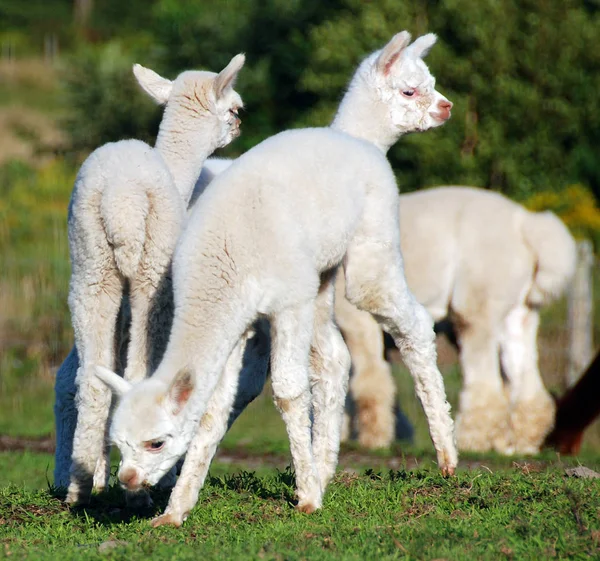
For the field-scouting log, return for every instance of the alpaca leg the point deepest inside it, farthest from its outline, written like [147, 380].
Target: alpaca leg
[141, 298]
[329, 370]
[242, 380]
[371, 385]
[94, 311]
[65, 412]
[291, 338]
[375, 282]
[482, 423]
[532, 409]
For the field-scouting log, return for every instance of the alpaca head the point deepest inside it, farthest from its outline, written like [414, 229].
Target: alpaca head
[404, 82]
[149, 426]
[198, 100]
[393, 93]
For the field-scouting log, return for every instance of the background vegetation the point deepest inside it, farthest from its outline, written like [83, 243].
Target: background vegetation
[524, 78]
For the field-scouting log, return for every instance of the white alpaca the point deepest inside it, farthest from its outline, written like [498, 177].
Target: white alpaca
[125, 215]
[488, 265]
[264, 241]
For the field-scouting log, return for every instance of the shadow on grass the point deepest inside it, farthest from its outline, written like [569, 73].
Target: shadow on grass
[110, 508]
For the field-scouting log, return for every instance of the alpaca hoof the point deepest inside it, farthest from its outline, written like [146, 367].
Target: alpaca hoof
[306, 507]
[167, 519]
[448, 471]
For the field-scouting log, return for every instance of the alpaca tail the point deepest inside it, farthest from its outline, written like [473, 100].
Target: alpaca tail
[555, 256]
[124, 213]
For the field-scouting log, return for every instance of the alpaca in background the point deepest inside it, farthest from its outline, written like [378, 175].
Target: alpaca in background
[125, 215]
[488, 265]
[264, 241]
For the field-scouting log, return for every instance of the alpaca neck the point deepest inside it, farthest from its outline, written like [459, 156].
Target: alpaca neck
[363, 115]
[184, 150]
[204, 347]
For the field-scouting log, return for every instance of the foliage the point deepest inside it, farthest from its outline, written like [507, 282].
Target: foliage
[105, 103]
[34, 324]
[575, 205]
[525, 91]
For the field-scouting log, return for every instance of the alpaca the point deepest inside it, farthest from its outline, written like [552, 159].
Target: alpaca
[575, 411]
[487, 264]
[264, 241]
[126, 211]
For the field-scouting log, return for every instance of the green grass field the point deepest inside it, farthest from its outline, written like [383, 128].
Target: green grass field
[529, 511]
[385, 505]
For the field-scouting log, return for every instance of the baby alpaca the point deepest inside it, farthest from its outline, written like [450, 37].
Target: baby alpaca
[264, 241]
[488, 265]
[125, 215]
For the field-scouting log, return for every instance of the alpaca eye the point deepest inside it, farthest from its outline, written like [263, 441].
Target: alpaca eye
[408, 93]
[155, 445]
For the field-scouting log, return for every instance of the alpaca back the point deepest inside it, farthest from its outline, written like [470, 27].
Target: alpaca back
[133, 187]
[555, 254]
[465, 246]
[298, 195]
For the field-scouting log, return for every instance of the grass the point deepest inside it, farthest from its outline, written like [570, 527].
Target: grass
[495, 508]
[520, 513]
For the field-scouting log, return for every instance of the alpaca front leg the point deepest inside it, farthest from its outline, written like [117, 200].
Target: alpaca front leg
[375, 282]
[291, 338]
[329, 370]
[242, 380]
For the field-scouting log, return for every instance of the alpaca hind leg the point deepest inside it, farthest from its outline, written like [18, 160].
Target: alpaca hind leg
[329, 370]
[291, 338]
[482, 422]
[375, 282]
[532, 409]
[94, 311]
[242, 380]
[372, 387]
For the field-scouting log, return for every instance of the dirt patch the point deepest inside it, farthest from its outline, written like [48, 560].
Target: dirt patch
[17, 444]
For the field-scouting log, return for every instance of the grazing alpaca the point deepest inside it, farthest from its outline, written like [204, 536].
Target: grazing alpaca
[576, 410]
[264, 241]
[488, 265]
[126, 211]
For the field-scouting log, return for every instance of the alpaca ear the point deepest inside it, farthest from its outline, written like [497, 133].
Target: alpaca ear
[226, 78]
[116, 383]
[392, 51]
[180, 390]
[157, 87]
[421, 47]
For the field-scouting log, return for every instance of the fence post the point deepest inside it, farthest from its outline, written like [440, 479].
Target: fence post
[581, 307]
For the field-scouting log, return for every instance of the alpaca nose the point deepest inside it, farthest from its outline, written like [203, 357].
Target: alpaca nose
[444, 107]
[128, 477]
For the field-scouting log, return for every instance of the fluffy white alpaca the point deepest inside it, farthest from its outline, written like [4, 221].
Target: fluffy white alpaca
[125, 215]
[488, 265]
[264, 241]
